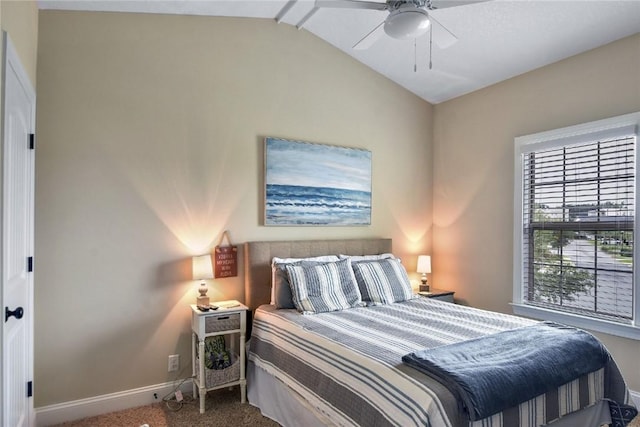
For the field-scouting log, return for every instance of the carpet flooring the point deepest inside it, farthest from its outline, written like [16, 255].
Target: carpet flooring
[222, 409]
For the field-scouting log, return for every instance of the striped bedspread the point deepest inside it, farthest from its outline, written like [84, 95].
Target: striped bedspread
[348, 365]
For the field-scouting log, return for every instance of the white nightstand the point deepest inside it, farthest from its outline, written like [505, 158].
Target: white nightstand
[230, 319]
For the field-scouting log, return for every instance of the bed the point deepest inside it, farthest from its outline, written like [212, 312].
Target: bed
[346, 368]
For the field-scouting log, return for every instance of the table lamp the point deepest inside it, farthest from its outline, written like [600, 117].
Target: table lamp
[202, 270]
[424, 267]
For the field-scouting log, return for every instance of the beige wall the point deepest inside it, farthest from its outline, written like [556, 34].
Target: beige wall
[19, 19]
[150, 131]
[473, 168]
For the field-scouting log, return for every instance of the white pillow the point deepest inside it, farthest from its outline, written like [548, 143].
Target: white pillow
[323, 287]
[280, 290]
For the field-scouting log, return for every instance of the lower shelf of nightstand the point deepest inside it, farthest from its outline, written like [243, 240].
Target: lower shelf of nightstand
[239, 382]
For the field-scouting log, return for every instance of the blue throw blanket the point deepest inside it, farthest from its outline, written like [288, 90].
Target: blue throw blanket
[495, 372]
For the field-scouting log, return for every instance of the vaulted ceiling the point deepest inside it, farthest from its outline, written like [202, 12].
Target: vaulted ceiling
[494, 40]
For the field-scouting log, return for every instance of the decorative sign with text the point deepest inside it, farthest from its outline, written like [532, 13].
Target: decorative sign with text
[225, 259]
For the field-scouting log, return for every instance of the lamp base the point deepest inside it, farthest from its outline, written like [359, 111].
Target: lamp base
[424, 288]
[202, 301]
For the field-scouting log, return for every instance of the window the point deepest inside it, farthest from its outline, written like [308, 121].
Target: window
[575, 226]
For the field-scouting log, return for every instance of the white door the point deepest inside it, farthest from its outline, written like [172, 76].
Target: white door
[17, 242]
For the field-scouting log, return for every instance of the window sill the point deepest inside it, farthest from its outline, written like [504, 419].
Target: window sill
[611, 328]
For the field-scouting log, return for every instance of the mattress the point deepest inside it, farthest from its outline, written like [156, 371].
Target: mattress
[347, 365]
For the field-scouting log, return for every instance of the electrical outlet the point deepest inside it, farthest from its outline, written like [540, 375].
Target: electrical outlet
[174, 362]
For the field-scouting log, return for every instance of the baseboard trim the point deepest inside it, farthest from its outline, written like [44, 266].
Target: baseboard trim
[92, 406]
[635, 396]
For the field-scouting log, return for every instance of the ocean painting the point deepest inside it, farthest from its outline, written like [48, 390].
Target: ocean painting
[316, 184]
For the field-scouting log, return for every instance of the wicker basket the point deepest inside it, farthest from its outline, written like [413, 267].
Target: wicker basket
[222, 323]
[218, 377]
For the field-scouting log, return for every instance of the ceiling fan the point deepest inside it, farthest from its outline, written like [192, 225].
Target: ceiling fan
[407, 19]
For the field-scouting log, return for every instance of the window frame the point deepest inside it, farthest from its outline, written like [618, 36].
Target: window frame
[599, 129]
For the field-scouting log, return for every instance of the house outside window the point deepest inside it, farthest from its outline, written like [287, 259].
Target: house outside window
[575, 226]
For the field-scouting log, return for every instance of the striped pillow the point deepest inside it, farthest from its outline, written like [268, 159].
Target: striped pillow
[355, 258]
[382, 281]
[280, 289]
[324, 287]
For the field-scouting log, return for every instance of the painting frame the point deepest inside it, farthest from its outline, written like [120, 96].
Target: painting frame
[313, 184]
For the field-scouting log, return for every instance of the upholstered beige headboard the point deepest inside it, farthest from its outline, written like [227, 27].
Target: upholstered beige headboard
[258, 256]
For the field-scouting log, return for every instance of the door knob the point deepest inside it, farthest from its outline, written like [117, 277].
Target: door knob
[18, 313]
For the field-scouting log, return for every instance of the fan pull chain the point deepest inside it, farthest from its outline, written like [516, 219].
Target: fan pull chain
[415, 56]
[430, 44]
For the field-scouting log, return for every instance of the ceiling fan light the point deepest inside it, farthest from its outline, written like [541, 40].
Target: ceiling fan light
[407, 23]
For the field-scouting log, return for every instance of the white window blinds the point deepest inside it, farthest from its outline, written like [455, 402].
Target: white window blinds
[578, 198]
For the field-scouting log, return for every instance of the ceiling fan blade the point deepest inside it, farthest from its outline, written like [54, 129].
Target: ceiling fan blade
[351, 4]
[306, 17]
[441, 35]
[443, 4]
[372, 36]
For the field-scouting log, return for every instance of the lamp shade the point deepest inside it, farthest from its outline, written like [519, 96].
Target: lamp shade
[202, 267]
[424, 264]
